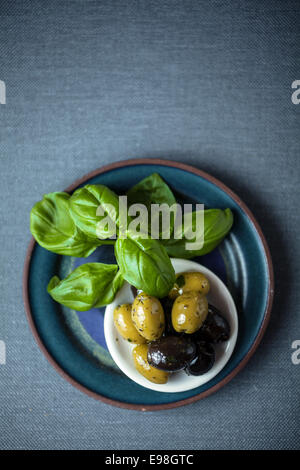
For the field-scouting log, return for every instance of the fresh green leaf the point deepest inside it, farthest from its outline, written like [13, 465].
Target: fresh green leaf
[90, 285]
[85, 204]
[217, 224]
[54, 229]
[153, 190]
[144, 263]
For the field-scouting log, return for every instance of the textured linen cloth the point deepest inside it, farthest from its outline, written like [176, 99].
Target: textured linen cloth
[205, 83]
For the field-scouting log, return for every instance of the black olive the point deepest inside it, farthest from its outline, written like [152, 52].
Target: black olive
[167, 305]
[171, 353]
[215, 329]
[204, 361]
[134, 291]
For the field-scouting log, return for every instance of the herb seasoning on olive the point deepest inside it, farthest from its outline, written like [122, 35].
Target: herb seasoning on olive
[148, 316]
[191, 281]
[189, 312]
[125, 326]
[143, 367]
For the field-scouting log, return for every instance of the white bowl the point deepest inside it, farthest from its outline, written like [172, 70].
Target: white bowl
[121, 350]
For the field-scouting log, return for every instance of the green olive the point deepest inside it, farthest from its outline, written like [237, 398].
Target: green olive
[143, 367]
[187, 282]
[125, 326]
[189, 312]
[148, 316]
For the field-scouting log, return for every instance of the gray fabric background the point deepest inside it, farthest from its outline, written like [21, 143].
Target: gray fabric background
[202, 82]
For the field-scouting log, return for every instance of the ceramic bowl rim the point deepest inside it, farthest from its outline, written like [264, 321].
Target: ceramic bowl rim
[115, 347]
[267, 312]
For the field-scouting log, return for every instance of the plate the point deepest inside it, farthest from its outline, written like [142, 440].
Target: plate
[74, 342]
[121, 350]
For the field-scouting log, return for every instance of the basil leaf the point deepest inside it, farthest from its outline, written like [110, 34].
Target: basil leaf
[217, 223]
[84, 204]
[90, 285]
[144, 263]
[54, 229]
[152, 190]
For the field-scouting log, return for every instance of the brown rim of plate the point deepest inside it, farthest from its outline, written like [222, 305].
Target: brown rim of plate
[264, 324]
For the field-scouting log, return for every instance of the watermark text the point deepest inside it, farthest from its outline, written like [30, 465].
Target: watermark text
[296, 94]
[159, 221]
[2, 92]
[2, 353]
[296, 354]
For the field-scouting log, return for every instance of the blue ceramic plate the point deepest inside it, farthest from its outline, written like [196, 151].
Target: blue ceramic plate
[74, 341]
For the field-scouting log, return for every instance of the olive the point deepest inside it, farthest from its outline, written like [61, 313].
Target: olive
[187, 282]
[125, 326]
[148, 316]
[143, 367]
[215, 329]
[205, 359]
[171, 353]
[167, 304]
[134, 291]
[189, 312]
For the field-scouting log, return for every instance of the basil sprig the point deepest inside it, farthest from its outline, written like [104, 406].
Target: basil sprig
[153, 190]
[69, 225]
[85, 204]
[53, 227]
[217, 223]
[90, 285]
[145, 264]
